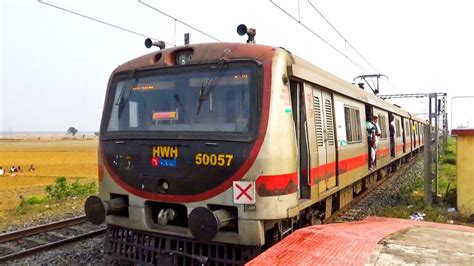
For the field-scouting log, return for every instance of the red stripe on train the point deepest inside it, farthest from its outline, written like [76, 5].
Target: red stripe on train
[383, 152]
[399, 147]
[323, 172]
[353, 163]
[274, 185]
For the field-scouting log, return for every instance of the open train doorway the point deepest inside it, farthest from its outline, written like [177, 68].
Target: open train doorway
[371, 129]
[301, 127]
[391, 130]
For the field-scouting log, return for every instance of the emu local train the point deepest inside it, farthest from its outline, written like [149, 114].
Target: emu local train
[211, 152]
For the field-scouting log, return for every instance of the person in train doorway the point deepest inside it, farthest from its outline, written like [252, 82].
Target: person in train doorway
[378, 132]
[391, 129]
[371, 137]
[375, 121]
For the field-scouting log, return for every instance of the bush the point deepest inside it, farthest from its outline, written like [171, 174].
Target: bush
[31, 201]
[449, 160]
[62, 190]
[83, 190]
[449, 151]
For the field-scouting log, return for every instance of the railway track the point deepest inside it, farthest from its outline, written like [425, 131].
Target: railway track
[22, 243]
[366, 202]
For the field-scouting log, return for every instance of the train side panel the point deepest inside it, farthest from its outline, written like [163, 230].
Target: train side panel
[352, 150]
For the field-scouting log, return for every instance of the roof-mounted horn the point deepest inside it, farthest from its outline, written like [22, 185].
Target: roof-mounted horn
[149, 43]
[242, 30]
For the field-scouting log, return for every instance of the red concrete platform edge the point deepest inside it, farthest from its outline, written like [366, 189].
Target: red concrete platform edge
[462, 132]
[349, 243]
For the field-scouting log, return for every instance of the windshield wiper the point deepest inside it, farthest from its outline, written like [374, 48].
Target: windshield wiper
[209, 86]
[124, 96]
[176, 98]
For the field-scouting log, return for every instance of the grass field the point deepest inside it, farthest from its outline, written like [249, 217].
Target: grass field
[73, 159]
[412, 196]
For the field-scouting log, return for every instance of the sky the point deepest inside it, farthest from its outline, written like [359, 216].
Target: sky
[55, 65]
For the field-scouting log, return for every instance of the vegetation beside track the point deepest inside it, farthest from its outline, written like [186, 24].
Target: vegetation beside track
[410, 200]
[60, 191]
[38, 196]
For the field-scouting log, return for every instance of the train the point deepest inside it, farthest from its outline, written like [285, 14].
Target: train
[210, 153]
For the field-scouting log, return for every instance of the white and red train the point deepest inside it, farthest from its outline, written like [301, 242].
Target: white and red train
[211, 152]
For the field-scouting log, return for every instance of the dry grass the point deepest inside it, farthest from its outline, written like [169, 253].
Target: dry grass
[51, 158]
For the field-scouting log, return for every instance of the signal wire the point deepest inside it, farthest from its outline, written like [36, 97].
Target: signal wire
[101, 21]
[321, 38]
[180, 21]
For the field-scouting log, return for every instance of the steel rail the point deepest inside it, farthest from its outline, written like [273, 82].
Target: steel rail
[41, 228]
[51, 245]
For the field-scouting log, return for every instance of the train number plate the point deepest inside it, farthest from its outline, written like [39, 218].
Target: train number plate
[213, 159]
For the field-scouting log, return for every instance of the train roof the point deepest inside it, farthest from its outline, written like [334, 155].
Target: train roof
[202, 53]
[416, 118]
[212, 52]
[310, 72]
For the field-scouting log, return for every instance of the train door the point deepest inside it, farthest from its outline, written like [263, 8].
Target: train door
[301, 127]
[404, 135]
[325, 140]
[421, 133]
[418, 128]
[415, 134]
[399, 145]
[407, 135]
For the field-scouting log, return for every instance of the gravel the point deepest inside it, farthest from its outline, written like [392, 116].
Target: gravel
[387, 194]
[40, 220]
[90, 252]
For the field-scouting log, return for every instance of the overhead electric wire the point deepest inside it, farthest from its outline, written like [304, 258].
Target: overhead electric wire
[321, 38]
[180, 21]
[348, 43]
[391, 87]
[103, 22]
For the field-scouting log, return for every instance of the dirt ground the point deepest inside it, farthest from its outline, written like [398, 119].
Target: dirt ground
[51, 158]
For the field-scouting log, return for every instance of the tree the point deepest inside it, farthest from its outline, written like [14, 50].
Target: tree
[72, 130]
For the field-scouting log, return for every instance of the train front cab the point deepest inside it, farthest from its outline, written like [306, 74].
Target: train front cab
[271, 176]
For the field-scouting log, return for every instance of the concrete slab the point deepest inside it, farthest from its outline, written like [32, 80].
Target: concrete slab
[423, 245]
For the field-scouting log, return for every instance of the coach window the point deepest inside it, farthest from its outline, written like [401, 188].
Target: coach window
[353, 129]
[382, 124]
[397, 128]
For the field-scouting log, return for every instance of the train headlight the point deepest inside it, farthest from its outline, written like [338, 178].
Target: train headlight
[184, 58]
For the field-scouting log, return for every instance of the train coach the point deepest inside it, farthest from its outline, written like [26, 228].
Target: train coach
[209, 153]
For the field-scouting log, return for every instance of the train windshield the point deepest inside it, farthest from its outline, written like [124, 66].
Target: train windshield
[211, 98]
